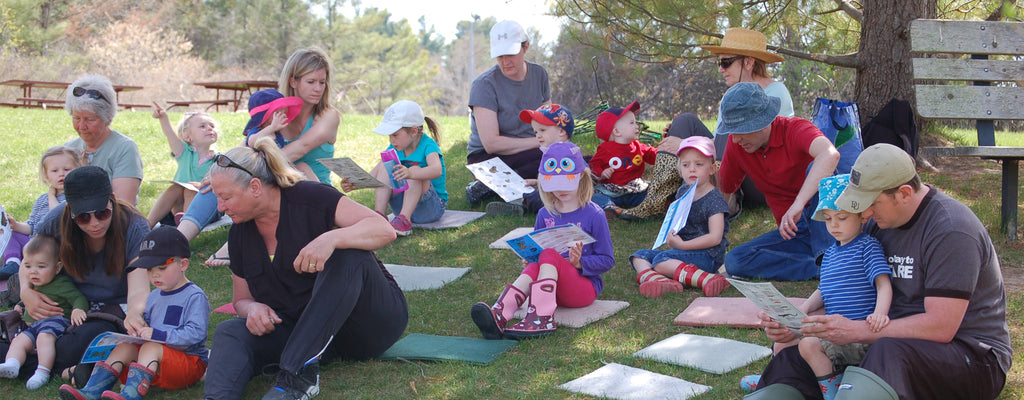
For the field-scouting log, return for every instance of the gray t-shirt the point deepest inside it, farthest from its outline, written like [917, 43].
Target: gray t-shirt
[97, 286]
[494, 91]
[945, 251]
[118, 155]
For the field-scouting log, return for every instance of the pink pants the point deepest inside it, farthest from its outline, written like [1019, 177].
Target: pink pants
[574, 290]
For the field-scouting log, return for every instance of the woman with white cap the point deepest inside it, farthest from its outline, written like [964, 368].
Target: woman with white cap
[743, 56]
[495, 99]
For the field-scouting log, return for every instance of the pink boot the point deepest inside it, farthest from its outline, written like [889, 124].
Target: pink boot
[539, 319]
[492, 320]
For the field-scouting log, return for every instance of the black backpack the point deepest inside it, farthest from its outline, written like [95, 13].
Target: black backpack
[894, 125]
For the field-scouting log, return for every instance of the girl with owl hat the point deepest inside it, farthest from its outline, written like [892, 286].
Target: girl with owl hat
[572, 279]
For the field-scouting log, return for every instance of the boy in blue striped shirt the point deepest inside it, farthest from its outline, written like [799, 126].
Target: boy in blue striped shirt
[854, 283]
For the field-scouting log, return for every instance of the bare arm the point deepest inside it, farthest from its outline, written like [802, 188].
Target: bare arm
[938, 323]
[490, 134]
[324, 130]
[826, 157]
[716, 230]
[358, 228]
[138, 290]
[276, 123]
[259, 318]
[127, 189]
[165, 123]
[431, 171]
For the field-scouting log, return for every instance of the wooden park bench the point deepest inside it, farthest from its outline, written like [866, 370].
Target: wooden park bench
[975, 88]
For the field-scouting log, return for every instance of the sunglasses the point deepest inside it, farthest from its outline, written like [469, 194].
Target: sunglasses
[93, 93]
[726, 62]
[101, 215]
[224, 161]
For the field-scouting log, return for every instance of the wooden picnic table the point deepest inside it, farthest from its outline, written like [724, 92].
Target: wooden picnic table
[236, 90]
[27, 100]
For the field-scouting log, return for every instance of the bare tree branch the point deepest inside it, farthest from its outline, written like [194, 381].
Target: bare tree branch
[851, 10]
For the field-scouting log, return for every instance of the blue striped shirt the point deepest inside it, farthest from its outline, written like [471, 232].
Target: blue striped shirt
[848, 277]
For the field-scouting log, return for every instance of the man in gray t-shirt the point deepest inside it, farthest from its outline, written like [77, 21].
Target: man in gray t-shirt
[948, 337]
[495, 100]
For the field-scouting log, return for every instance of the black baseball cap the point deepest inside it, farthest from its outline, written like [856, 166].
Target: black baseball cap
[159, 245]
[87, 189]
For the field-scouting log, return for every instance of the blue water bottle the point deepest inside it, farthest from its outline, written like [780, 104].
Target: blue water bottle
[390, 159]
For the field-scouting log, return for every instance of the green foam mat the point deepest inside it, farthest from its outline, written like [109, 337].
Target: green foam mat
[417, 346]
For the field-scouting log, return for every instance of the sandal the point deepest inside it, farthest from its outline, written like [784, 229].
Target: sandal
[220, 258]
[77, 375]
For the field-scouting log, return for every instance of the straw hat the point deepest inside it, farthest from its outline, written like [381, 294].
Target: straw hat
[745, 42]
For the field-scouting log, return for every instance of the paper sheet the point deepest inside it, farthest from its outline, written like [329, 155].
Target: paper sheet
[769, 299]
[675, 217]
[500, 178]
[351, 172]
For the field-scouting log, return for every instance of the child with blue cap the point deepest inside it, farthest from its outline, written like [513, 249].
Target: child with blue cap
[855, 283]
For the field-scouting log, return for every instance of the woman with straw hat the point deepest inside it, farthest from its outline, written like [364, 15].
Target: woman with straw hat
[743, 56]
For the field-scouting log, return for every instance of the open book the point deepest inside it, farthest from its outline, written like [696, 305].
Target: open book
[351, 172]
[500, 178]
[769, 299]
[561, 238]
[675, 217]
[104, 344]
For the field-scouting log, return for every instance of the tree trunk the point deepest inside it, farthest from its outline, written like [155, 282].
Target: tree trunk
[885, 70]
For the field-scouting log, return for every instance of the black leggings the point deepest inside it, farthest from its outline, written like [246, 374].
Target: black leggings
[353, 302]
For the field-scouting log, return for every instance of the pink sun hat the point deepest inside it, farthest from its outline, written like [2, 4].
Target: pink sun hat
[293, 106]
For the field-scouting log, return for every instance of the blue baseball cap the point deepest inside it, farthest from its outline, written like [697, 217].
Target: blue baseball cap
[551, 115]
[746, 108]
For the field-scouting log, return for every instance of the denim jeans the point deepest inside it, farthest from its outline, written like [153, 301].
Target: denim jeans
[699, 258]
[625, 201]
[430, 208]
[769, 256]
[202, 210]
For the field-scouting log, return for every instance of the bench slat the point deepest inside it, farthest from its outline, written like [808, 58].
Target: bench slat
[975, 151]
[970, 102]
[968, 70]
[969, 37]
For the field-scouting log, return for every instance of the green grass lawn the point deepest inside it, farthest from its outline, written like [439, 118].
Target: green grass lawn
[531, 370]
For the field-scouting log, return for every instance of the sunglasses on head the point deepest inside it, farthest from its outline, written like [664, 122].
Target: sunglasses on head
[101, 215]
[726, 62]
[224, 161]
[93, 93]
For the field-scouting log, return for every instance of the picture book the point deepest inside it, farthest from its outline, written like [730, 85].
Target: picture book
[104, 344]
[675, 217]
[561, 238]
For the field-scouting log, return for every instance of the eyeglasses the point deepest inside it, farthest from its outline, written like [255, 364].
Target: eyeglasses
[93, 93]
[101, 215]
[727, 62]
[224, 161]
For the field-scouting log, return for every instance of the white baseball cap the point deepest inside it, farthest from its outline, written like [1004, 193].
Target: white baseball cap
[507, 38]
[403, 114]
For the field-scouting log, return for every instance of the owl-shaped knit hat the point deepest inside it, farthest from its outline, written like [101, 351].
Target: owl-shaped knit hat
[561, 167]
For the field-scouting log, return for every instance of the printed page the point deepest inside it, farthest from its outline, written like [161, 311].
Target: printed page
[352, 172]
[769, 299]
[185, 185]
[500, 178]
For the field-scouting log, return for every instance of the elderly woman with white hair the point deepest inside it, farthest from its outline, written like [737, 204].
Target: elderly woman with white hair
[92, 103]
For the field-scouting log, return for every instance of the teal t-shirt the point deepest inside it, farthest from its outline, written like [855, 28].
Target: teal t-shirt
[419, 158]
[326, 150]
[189, 168]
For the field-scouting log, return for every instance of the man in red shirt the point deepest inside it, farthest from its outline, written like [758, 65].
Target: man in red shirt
[785, 157]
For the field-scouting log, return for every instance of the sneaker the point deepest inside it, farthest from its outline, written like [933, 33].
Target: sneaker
[477, 192]
[402, 225]
[303, 386]
[749, 383]
[497, 208]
